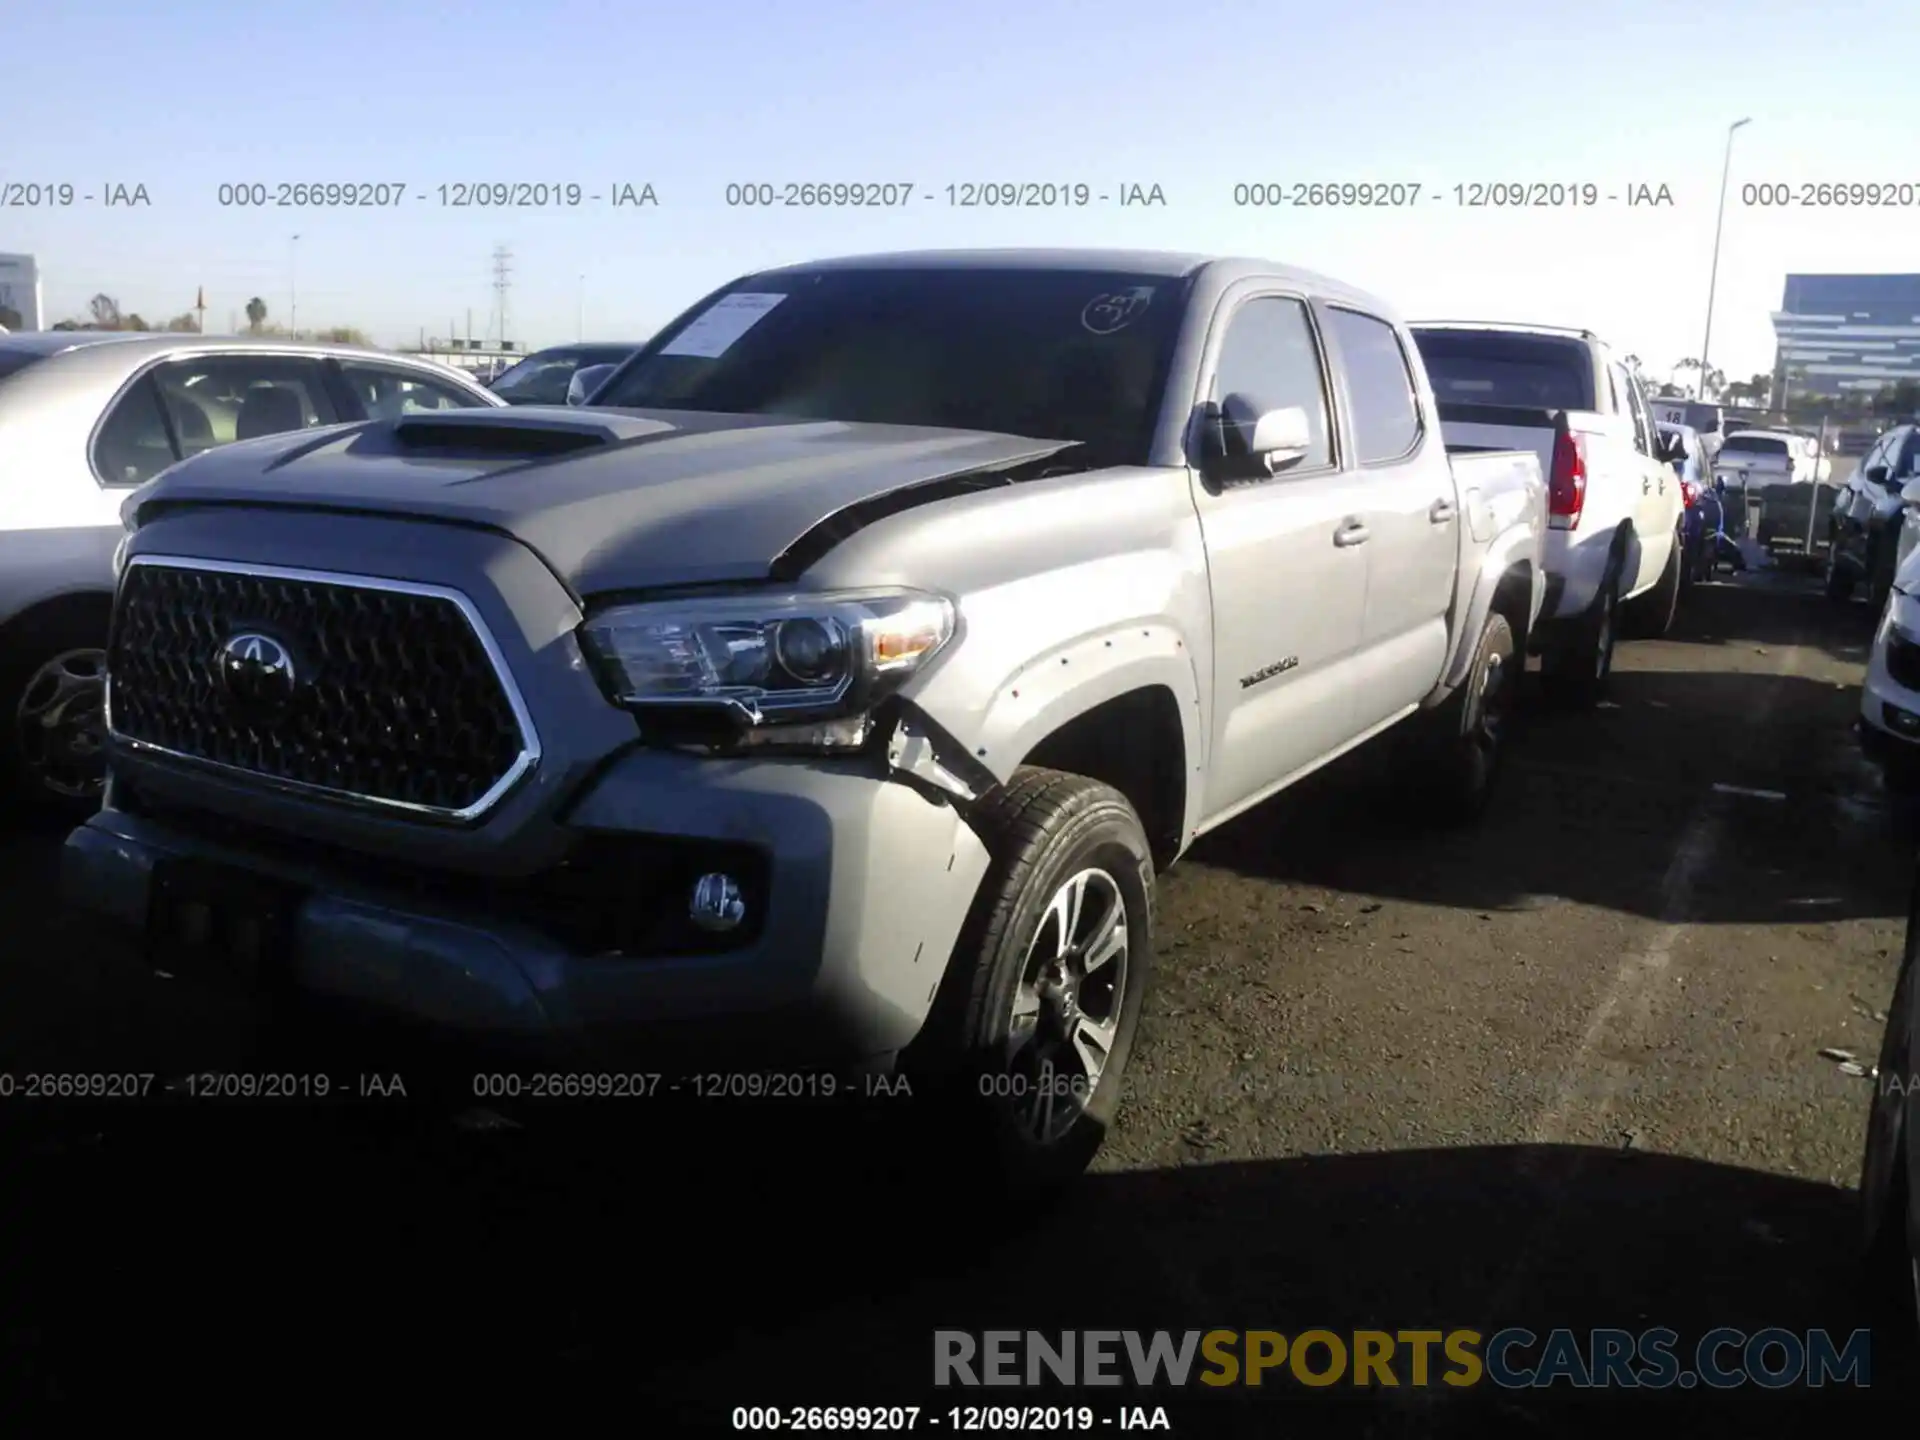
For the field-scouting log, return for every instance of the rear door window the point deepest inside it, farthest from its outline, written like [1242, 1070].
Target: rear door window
[1386, 413]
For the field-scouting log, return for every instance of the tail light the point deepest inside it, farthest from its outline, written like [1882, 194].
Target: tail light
[1567, 486]
[1688, 494]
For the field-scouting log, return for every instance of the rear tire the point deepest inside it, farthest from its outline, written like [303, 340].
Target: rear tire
[1575, 675]
[1651, 616]
[1028, 1001]
[1461, 761]
[1840, 582]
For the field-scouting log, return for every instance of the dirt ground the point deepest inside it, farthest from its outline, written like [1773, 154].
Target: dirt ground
[1561, 1071]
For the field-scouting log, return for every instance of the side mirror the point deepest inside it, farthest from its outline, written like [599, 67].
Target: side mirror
[1876, 474]
[586, 380]
[1719, 484]
[1240, 443]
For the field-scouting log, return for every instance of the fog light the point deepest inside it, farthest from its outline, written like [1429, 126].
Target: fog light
[1901, 722]
[717, 903]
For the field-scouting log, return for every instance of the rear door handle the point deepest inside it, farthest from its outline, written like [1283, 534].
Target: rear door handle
[1645, 485]
[1442, 511]
[1352, 532]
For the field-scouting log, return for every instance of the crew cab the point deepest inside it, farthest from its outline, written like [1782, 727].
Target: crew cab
[829, 692]
[1615, 543]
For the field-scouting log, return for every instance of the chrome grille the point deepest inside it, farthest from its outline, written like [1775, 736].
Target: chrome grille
[396, 695]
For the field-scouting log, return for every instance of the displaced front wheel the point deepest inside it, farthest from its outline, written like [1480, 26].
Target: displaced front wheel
[1462, 759]
[1840, 582]
[1030, 1032]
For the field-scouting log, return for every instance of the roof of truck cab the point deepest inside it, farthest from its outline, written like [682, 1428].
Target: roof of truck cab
[1173, 264]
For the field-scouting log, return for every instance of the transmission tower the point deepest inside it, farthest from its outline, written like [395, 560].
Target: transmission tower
[502, 282]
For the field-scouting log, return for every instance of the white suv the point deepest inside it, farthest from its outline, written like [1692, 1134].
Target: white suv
[1615, 547]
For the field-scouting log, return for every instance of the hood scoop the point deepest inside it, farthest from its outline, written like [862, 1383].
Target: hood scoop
[532, 433]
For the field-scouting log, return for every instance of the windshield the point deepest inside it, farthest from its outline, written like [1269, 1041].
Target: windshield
[1482, 367]
[542, 379]
[1051, 354]
[1753, 445]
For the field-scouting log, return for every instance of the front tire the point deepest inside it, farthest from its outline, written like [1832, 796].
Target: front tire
[1889, 1255]
[52, 720]
[1028, 1040]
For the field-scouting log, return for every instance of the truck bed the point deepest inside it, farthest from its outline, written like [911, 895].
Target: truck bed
[1789, 519]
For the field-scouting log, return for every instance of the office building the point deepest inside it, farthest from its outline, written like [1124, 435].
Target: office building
[1841, 333]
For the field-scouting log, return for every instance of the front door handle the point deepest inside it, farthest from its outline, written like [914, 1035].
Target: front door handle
[1352, 532]
[1645, 485]
[1442, 511]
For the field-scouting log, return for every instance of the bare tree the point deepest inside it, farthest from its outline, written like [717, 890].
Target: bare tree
[256, 314]
[103, 311]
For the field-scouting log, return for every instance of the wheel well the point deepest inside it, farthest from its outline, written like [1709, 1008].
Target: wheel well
[1513, 598]
[81, 607]
[1135, 743]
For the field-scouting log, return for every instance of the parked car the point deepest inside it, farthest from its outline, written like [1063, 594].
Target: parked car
[85, 417]
[1752, 458]
[1890, 1166]
[544, 376]
[1615, 548]
[836, 689]
[1869, 515]
[1890, 695]
[1705, 528]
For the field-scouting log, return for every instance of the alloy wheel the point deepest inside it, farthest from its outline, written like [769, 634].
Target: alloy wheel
[60, 724]
[1067, 1003]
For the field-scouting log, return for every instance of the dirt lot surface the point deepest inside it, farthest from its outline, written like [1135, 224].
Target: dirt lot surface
[1562, 1071]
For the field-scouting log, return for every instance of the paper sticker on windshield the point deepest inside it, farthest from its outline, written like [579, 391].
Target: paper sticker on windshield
[1107, 313]
[713, 334]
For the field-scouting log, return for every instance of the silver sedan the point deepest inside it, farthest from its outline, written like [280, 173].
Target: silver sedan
[85, 418]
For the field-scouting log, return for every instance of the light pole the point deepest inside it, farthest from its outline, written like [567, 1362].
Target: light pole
[1713, 275]
[580, 312]
[293, 286]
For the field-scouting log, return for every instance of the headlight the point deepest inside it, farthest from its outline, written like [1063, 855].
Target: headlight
[1903, 616]
[785, 669]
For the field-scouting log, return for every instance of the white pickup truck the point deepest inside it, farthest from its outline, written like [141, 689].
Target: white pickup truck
[1615, 509]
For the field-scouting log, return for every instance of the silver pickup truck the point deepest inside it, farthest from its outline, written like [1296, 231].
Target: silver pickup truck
[829, 693]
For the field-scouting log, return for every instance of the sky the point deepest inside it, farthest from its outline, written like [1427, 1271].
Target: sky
[1195, 99]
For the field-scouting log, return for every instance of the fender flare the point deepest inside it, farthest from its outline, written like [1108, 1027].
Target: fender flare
[1072, 679]
[1515, 548]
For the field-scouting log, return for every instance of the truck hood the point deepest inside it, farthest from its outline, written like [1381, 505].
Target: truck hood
[610, 499]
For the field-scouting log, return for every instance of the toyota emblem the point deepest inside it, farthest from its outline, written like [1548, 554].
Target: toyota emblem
[257, 672]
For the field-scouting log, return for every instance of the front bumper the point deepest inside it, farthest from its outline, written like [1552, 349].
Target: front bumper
[867, 885]
[1889, 702]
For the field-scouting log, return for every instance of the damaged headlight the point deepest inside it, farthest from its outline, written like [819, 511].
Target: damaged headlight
[781, 669]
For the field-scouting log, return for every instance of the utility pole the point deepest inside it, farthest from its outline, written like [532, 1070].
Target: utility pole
[293, 287]
[200, 310]
[502, 282]
[580, 312]
[1713, 275]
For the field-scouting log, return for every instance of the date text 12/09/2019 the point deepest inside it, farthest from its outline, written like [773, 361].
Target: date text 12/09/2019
[1470, 195]
[458, 195]
[965, 1419]
[963, 195]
